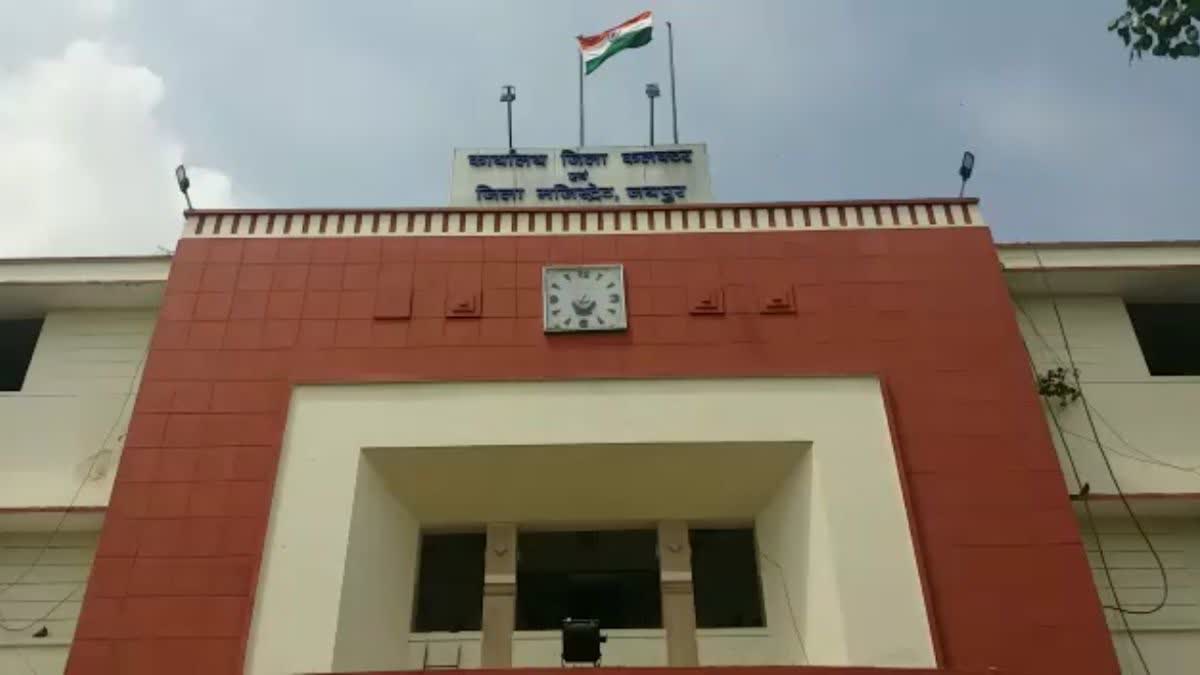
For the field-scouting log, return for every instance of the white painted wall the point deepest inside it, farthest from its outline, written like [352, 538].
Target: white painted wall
[379, 578]
[64, 430]
[1169, 638]
[42, 579]
[1148, 424]
[867, 537]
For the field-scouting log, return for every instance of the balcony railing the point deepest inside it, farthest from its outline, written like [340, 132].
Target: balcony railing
[667, 219]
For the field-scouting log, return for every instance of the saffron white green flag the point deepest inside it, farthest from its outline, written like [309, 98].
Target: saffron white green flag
[633, 33]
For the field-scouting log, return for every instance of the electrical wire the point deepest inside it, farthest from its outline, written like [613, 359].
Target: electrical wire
[791, 611]
[1149, 458]
[87, 478]
[1091, 525]
[1101, 447]
[1122, 612]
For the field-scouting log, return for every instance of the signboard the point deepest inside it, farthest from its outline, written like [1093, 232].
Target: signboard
[598, 176]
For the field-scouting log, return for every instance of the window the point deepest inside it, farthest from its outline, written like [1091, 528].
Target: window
[1169, 334]
[725, 579]
[611, 576]
[17, 340]
[450, 583]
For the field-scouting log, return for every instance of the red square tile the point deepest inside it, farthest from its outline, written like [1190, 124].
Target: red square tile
[669, 301]
[167, 500]
[500, 248]
[219, 277]
[170, 335]
[321, 305]
[254, 278]
[176, 464]
[130, 500]
[389, 333]
[358, 277]
[138, 465]
[280, 333]
[364, 250]
[398, 275]
[329, 250]
[393, 302]
[428, 303]
[243, 536]
[178, 307]
[289, 277]
[187, 430]
[533, 249]
[213, 306]
[528, 275]
[146, 430]
[259, 251]
[243, 334]
[120, 535]
[497, 331]
[191, 396]
[353, 333]
[529, 303]
[102, 618]
[184, 278]
[254, 462]
[499, 275]
[206, 335]
[325, 277]
[315, 333]
[225, 251]
[208, 499]
[294, 250]
[249, 498]
[356, 305]
[398, 249]
[249, 305]
[285, 305]
[500, 303]
[427, 275]
[250, 396]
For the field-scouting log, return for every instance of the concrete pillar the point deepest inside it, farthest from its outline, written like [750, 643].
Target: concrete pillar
[499, 595]
[678, 603]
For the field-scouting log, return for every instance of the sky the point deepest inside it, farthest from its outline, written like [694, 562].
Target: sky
[309, 103]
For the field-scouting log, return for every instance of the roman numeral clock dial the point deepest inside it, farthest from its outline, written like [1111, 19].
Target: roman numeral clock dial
[583, 298]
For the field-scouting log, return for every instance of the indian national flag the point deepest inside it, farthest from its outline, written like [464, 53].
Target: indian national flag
[633, 33]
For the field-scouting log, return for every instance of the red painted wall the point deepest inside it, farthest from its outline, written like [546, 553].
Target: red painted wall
[927, 310]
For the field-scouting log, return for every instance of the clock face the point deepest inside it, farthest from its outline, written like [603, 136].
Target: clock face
[583, 298]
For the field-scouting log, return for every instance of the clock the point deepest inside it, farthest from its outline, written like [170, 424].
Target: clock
[583, 298]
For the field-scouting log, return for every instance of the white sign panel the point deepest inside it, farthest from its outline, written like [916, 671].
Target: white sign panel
[599, 176]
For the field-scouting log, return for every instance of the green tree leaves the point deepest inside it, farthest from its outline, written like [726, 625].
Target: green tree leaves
[1160, 27]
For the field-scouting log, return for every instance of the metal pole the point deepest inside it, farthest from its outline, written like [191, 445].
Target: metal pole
[188, 200]
[962, 189]
[651, 120]
[581, 98]
[674, 109]
[510, 143]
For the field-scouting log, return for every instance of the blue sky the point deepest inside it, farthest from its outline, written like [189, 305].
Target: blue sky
[359, 104]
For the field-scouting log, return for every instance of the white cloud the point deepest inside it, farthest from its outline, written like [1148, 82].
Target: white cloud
[85, 167]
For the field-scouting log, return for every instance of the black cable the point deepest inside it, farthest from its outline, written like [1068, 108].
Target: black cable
[1088, 516]
[1112, 475]
[1087, 410]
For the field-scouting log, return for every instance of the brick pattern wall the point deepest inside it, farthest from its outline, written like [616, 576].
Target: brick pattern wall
[1004, 571]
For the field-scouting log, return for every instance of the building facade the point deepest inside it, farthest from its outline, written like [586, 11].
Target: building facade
[818, 443]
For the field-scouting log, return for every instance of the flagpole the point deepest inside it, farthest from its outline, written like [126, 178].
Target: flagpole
[671, 57]
[580, 96]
